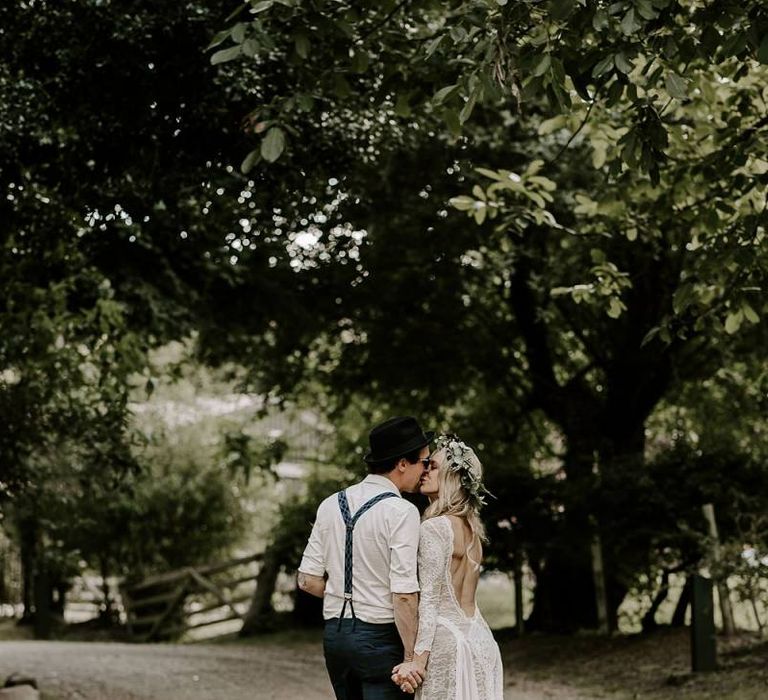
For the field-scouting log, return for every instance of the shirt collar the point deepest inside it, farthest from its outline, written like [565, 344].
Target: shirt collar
[383, 481]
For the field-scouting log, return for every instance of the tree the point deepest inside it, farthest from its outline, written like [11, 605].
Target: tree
[589, 294]
[111, 229]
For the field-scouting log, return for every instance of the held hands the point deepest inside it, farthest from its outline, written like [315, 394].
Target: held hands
[409, 675]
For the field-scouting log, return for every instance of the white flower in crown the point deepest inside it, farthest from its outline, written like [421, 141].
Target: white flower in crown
[457, 459]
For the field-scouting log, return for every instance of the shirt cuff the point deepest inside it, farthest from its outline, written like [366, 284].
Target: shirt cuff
[404, 585]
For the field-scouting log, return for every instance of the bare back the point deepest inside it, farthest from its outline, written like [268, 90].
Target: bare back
[465, 564]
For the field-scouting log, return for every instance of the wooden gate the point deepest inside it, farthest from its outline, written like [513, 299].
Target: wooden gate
[169, 604]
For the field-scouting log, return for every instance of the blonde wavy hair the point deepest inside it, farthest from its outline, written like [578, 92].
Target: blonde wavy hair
[453, 498]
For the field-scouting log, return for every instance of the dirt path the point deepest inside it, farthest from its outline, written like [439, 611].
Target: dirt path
[111, 671]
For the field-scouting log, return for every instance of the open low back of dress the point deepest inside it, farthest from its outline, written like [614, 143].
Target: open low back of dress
[465, 564]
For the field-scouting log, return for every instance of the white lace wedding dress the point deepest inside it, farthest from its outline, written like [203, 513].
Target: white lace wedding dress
[464, 660]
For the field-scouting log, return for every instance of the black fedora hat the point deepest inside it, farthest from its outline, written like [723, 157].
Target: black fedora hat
[395, 437]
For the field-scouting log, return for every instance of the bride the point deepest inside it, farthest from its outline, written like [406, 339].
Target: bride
[455, 654]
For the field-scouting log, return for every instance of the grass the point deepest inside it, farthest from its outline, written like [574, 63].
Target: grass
[653, 666]
[10, 631]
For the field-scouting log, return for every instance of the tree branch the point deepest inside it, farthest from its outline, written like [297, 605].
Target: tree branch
[380, 24]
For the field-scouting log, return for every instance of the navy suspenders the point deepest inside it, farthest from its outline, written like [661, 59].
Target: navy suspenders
[350, 521]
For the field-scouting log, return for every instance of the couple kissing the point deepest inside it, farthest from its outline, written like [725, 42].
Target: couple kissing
[399, 589]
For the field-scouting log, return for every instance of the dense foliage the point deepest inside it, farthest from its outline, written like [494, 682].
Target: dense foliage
[540, 224]
[612, 159]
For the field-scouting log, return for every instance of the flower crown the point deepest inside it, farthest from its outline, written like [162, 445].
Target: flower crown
[457, 459]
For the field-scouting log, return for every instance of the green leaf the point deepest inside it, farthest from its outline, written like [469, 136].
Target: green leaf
[451, 117]
[682, 298]
[585, 205]
[432, 46]
[489, 173]
[649, 336]
[250, 161]
[306, 102]
[360, 61]
[762, 52]
[600, 20]
[345, 28]
[676, 86]
[250, 47]
[402, 108]
[615, 307]
[225, 55]
[560, 9]
[553, 124]
[733, 321]
[462, 203]
[536, 198]
[238, 32]
[630, 25]
[749, 313]
[301, 42]
[469, 105]
[443, 94]
[261, 6]
[218, 39]
[603, 66]
[542, 66]
[341, 86]
[599, 154]
[544, 182]
[646, 9]
[622, 63]
[273, 144]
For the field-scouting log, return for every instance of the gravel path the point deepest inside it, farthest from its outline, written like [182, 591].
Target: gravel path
[112, 671]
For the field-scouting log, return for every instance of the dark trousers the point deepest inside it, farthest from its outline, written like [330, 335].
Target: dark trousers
[360, 660]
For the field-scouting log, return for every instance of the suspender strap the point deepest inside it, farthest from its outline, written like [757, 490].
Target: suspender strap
[350, 521]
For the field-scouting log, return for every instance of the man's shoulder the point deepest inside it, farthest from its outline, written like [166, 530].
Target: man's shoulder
[402, 506]
[329, 502]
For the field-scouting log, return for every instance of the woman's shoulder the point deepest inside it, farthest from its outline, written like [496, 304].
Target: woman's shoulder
[439, 524]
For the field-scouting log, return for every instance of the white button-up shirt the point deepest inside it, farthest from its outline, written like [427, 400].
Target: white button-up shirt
[385, 546]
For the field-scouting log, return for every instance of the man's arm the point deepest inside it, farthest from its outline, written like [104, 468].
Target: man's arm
[311, 576]
[403, 582]
[407, 620]
[314, 585]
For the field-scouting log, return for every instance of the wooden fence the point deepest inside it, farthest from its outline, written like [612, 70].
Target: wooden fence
[167, 605]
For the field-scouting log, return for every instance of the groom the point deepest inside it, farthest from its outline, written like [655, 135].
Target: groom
[361, 559]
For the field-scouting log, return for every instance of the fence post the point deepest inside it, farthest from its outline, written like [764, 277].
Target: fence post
[703, 646]
[722, 580]
[518, 579]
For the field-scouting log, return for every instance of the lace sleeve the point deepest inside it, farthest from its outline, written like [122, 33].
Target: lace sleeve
[433, 558]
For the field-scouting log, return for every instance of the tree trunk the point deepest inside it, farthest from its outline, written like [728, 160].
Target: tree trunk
[42, 595]
[649, 619]
[564, 598]
[678, 617]
[28, 551]
[729, 627]
[598, 579]
[575, 581]
[108, 614]
[258, 617]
